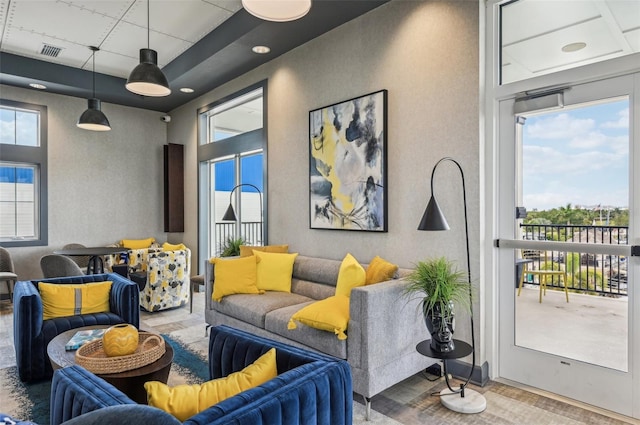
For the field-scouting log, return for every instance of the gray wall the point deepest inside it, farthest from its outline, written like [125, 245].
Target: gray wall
[103, 187]
[426, 54]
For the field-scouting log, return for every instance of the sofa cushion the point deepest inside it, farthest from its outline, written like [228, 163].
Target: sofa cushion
[247, 250]
[61, 300]
[314, 269]
[380, 270]
[317, 291]
[277, 321]
[274, 271]
[330, 314]
[236, 276]
[253, 308]
[137, 243]
[351, 275]
[184, 401]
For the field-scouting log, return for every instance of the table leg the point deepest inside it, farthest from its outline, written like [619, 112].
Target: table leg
[96, 265]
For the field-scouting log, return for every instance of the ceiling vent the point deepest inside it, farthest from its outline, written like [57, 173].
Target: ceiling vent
[51, 51]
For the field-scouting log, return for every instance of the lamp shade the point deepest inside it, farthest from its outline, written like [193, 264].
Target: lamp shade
[230, 214]
[433, 218]
[277, 10]
[93, 118]
[147, 79]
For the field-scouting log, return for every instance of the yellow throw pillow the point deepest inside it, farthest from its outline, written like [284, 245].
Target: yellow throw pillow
[330, 314]
[236, 276]
[379, 270]
[274, 271]
[247, 250]
[137, 243]
[351, 275]
[184, 401]
[63, 300]
[170, 247]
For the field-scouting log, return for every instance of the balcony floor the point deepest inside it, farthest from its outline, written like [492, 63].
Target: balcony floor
[588, 328]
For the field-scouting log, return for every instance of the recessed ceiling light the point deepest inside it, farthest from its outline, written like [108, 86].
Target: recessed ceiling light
[186, 90]
[574, 47]
[38, 86]
[261, 49]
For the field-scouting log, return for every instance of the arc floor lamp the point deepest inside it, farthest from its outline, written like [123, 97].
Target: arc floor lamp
[468, 401]
[230, 214]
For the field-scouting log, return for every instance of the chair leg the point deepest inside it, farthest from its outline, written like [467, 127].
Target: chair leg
[566, 290]
[524, 268]
[543, 287]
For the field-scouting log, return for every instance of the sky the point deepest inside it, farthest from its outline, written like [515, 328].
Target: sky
[578, 156]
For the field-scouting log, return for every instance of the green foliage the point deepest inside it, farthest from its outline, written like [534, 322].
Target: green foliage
[577, 216]
[438, 282]
[231, 246]
[572, 262]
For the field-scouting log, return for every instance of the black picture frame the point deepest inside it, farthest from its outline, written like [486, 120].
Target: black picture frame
[348, 164]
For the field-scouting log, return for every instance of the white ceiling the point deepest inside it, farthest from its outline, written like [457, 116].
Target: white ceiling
[117, 27]
[534, 32]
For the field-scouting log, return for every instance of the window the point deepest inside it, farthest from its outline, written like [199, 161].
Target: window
[23, 174]
[232, 158]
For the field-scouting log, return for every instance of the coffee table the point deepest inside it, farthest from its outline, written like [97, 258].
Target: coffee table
[130, 382]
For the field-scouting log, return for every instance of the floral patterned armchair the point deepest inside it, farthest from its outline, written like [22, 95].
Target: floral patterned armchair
[163, 276]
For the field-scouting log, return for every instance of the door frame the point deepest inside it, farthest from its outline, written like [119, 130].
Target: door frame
[493, 93]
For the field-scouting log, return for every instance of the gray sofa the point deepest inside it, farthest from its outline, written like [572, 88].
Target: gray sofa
[384, 325]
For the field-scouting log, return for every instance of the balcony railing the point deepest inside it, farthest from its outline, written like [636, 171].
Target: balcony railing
[250, 231]
[588, 273]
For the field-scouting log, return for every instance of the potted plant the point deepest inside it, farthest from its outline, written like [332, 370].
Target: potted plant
[231, 246]
[441, 286]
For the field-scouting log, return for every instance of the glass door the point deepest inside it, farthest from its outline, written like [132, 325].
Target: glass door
[567, 298]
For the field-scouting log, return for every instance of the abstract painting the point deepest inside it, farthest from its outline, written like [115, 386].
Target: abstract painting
[348, 164]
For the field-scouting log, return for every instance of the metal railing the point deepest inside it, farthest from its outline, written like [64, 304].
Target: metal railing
[600, 274]
[250, 231]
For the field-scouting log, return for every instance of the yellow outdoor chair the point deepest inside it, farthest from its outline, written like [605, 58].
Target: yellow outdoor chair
[543, 274]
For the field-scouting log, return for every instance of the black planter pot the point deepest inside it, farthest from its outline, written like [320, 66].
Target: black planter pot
[440, 325]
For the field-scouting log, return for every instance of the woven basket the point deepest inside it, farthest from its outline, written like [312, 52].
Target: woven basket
[92, 357]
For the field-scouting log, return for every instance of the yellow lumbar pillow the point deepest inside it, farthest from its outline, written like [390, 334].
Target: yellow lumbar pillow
[351, 275]
[137, 243]
[234, 276]
[170, 247]
[330, 314]
[62, 300]
[247, 250]
[274, 271]
[184, 401]
[379, 270]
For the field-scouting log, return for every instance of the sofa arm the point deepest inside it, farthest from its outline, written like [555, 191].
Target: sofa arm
[208, 285]
[124, 299]
[75, 391]
[384, 324]
[27, 321]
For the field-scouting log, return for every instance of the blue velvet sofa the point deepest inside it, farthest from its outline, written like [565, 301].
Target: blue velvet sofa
[311, 388]
[32, 334]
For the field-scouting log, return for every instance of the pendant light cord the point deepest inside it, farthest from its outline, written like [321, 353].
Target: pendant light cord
[94, 74]
[148, 25]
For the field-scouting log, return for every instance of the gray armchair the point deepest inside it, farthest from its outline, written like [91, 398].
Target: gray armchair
[55, 265]
[7, 271]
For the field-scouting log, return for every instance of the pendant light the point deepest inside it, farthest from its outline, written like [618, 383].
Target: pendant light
[277, 10]
[93, 118]
[146, 78]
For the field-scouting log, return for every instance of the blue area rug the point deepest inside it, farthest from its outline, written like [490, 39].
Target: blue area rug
[30, 401]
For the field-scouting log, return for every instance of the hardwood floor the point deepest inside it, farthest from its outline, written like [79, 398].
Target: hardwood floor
[409, 402]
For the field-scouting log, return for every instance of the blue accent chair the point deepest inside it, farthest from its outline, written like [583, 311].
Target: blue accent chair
[311, 388]
[32, 334]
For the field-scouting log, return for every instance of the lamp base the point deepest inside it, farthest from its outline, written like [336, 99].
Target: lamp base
[472, 402]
